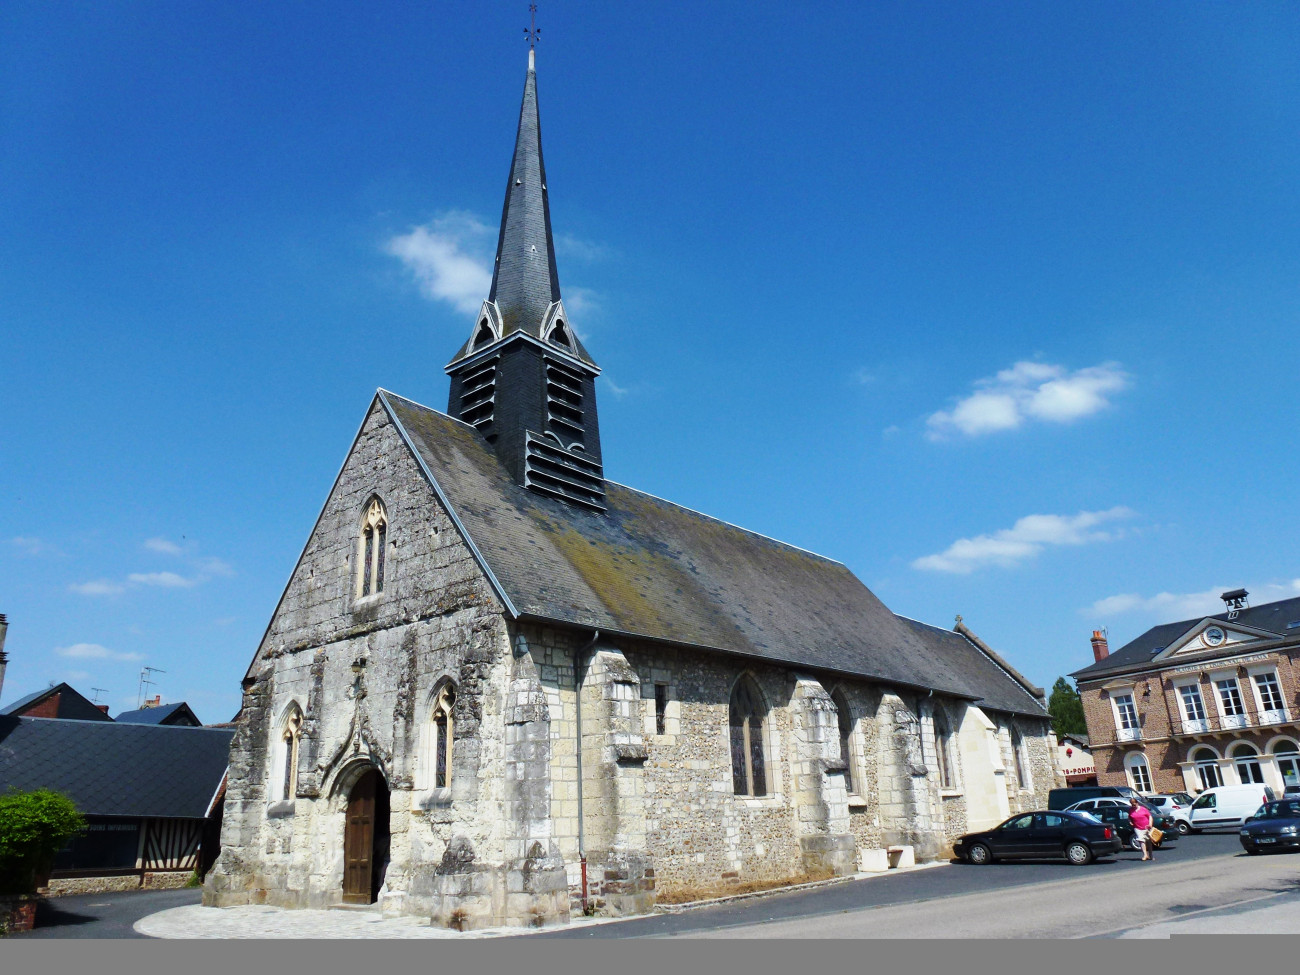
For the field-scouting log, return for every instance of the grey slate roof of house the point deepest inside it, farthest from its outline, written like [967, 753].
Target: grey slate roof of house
[168, 714]
[1273, 617]
[111, 769]
[653, 569]
[971, 664]
[73, 705]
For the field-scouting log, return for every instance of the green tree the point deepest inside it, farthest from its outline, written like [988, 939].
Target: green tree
[33, 827]
[1066, 709]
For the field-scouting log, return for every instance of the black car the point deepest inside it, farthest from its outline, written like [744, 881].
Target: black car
[1041, 835]
[1276, 826]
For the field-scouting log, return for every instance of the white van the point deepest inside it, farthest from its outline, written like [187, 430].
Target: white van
[1227, 805]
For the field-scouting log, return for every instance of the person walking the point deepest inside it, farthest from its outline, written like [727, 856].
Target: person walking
[1140, 817]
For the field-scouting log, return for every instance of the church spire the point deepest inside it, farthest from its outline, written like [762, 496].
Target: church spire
[525, 292]
[523, 380]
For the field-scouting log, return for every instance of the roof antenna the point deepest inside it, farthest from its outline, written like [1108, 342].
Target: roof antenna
[97, 691]
[146, 680]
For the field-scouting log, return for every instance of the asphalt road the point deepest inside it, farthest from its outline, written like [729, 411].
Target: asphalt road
[823, 909]
[910, 888]
[104, 915]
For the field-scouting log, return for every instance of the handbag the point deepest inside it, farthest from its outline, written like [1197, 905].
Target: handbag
[1156, 835]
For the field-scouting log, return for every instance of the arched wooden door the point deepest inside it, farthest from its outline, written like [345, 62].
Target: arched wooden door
[365, 839]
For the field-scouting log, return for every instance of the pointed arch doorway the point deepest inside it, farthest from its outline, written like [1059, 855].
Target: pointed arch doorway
[365, 839]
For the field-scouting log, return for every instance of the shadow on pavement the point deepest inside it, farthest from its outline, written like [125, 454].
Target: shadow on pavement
[50, 916]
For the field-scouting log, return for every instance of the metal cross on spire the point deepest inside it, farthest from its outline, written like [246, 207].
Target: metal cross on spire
[532, 31]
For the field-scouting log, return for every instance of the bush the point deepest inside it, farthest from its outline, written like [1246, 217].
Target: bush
[33, 827]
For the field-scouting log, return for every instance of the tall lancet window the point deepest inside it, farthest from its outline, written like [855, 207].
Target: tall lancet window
[370, 549]
[748, 767]
[434, 767]
[285, 782]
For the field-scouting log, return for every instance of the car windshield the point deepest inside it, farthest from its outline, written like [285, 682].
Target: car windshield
[1288, 809]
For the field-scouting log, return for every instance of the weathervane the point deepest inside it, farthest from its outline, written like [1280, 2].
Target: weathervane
[532, 31]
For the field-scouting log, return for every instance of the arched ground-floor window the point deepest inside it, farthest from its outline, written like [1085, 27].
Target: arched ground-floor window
[1139, 772]
[1246, 761]
[1288, 762]
[1207, 767]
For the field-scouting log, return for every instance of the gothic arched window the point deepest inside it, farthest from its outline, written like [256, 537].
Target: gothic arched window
[284, 783]
[943, 752]
[484, 335]
[434, 769]
[1022, 760]
[845, 718]
[748, 767]
[370, 549]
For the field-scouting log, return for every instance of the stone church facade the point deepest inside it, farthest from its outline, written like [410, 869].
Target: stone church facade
[501, 689]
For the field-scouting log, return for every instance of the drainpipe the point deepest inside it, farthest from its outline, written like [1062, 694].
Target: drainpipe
[579, 678]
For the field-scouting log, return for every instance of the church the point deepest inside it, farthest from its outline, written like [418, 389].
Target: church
[500, 689]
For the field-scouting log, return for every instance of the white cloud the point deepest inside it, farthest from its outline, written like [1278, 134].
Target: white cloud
[166, 546]
[93, 651]
[1172, 606]
[98, 587]
[570, 247]
[34, 546]
[1024, 540]
[618, 391]
[1029, 391]
[448, 258]
[167, 580]
[214, 567]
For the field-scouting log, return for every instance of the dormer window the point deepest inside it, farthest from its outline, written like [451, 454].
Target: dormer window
[560, 336]
[484, 335]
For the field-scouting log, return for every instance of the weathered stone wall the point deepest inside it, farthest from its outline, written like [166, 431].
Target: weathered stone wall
[436, 618]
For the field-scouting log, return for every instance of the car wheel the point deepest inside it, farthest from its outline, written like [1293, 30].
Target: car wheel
[1078, 853]
[1135, 843]
[1182, 827]
[979, 854]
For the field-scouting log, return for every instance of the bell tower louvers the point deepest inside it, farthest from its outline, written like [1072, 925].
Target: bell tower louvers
[524, 379]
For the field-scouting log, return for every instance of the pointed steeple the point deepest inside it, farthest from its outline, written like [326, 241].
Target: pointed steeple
[524, 280]
[525, 292]
[523, 380]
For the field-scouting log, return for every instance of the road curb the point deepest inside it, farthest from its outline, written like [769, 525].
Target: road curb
[788, 889]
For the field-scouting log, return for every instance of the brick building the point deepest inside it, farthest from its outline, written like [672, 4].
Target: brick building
[500, 688]
[1199, 703]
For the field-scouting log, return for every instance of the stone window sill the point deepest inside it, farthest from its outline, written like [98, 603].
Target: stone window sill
[760, 802]
[951, 793]
[857, 802]
[365, 602]
[281, 809]
[435, 797]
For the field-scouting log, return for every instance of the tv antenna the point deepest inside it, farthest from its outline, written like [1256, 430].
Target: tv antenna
[97, 691]
[146, 680]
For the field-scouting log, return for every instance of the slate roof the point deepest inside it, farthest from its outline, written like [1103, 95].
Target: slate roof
[525, 280]
[111, 769]
[653, 569]
[1003, 691]
[168, 714]
[73, 704]
[1135, 654]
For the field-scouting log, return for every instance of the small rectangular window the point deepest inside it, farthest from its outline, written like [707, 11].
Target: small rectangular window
[661, 709]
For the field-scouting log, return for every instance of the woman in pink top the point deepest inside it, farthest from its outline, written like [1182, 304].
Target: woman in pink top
[1140, 817]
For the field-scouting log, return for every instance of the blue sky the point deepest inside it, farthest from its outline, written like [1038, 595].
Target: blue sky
[996, 305]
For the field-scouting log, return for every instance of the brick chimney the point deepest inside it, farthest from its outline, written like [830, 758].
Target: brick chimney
[102, 707]
[1100, 649]
[152, 702]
